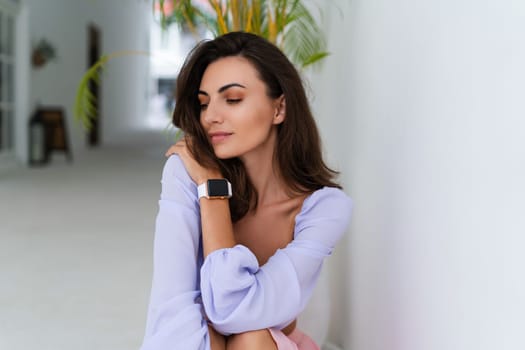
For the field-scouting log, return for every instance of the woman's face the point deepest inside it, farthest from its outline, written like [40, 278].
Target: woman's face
[236, 113]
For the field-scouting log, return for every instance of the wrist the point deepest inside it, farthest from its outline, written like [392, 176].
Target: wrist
[210, 175]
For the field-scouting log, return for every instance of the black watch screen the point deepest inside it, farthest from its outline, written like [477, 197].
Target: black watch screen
[218, 188]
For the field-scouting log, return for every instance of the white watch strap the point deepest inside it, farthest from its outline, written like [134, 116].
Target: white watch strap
[202, 190]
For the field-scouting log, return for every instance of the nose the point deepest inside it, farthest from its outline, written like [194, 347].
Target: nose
[212, 114]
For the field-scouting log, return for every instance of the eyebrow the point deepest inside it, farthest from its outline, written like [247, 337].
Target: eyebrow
[223, 88]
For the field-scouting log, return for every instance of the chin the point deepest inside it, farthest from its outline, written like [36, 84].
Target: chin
[225, 154]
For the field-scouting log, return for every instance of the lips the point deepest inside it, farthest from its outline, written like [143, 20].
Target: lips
[219, 136]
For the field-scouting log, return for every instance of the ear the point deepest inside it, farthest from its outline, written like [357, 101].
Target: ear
[280, 110]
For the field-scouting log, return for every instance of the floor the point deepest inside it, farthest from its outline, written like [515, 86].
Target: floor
[75, 247]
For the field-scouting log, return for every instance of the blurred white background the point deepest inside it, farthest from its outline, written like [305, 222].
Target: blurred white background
[421, 107]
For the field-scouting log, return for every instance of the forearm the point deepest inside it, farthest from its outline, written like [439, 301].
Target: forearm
[174, 317]
[216, 223]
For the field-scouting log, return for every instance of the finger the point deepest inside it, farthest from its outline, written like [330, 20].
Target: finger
[172, 150]
[182, 143]
[178, 147]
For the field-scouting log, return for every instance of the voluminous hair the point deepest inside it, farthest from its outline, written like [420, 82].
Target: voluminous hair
[298, 153]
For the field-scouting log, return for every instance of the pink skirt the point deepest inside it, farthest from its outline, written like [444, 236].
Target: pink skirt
[296, 340]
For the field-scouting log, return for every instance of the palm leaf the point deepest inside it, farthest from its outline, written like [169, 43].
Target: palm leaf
[85, 109]
[304, 42]
[183, 13]
[222, 20]
[316, 57]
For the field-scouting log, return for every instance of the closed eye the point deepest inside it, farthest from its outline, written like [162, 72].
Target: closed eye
[204, 106]
[233, 101]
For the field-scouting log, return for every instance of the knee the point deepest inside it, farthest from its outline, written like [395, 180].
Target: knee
[253, 340]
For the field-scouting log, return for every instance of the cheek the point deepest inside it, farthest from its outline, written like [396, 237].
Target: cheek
[256, 132]
[204, 125]
[258, 116]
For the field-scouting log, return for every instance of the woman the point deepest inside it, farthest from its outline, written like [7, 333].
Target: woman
[234, 273]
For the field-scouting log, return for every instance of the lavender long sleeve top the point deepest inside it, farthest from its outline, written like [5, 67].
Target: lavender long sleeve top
[237, 294]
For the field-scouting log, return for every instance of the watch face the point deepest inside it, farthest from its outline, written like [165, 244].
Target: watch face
[218, 188]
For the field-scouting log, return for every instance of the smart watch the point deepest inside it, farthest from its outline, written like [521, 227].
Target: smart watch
[215, 189]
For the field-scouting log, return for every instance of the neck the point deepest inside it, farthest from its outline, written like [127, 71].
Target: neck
[266, 180]
[263, 171]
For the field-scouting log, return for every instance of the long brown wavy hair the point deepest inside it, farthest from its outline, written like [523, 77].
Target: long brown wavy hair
[298, 151]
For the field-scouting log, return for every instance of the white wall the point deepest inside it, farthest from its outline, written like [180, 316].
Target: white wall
[421, 107]
[126, 80]
[124, 26]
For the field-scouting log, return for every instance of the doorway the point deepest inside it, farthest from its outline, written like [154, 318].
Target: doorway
[94, 44]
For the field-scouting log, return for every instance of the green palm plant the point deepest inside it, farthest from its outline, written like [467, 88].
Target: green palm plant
[287, 23]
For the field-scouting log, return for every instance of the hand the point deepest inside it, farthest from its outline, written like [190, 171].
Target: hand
[197, 172]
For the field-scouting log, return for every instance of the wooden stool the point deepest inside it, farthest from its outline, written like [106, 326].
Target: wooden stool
[50, 123]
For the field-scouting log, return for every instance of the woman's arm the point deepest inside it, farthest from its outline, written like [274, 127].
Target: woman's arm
[239, 295]
[174, 316]
[216, 223]
[216, 220]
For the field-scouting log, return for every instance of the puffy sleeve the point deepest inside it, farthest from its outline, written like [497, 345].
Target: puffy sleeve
[239, 295]
[175, 318]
